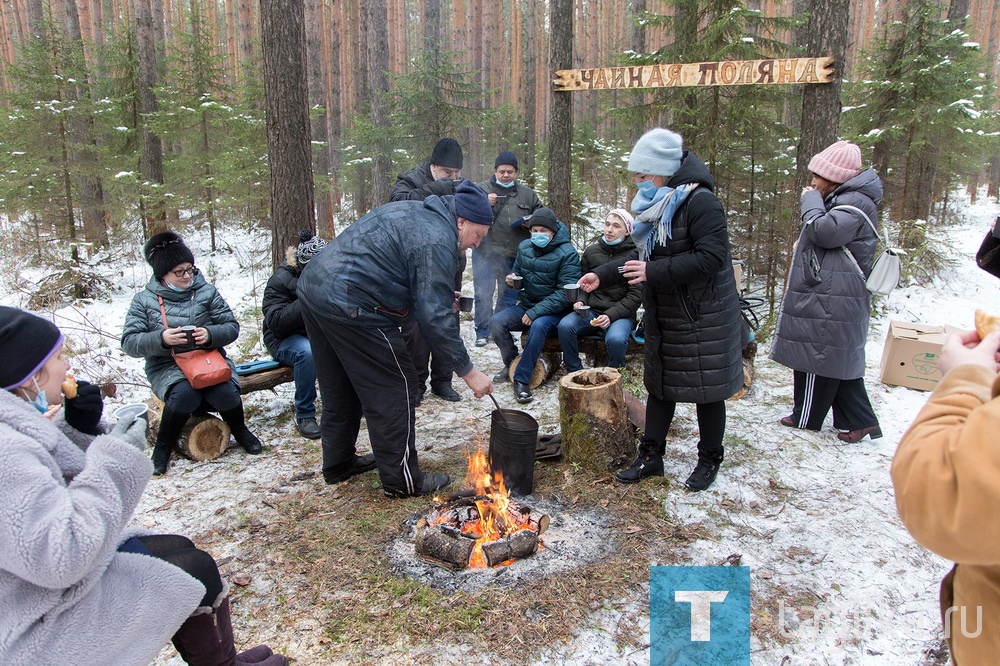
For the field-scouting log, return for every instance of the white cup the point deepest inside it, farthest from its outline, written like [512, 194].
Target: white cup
[131, 412]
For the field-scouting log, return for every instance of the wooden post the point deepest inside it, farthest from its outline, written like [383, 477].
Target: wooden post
[593, 418]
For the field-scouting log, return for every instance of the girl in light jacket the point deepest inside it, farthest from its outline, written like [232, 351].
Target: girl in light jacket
[77, 586]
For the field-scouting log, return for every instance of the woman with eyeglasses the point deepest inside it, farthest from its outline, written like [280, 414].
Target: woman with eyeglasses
[180, 311]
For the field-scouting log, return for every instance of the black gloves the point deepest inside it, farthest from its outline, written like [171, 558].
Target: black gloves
[441, 187]
[84, 411]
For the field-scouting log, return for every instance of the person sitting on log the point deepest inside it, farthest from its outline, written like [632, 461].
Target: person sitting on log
[78, 586]
[545, 262]
[612, 309]
[176, 296]
[285, 332]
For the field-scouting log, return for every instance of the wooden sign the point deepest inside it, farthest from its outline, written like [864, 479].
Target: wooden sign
[724, 73]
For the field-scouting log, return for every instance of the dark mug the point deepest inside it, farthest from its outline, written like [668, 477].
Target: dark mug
[465, 303]
[517, 282]
[572, 292]
[584, 311]
[189, 332]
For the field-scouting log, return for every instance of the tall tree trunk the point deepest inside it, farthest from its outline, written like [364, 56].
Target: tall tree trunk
[334, 102]
[529, 105]
[561, 117]
[321, 156]
[378, 86]
[827, 36]
[287, 112]
[152, 204]
[90, 189]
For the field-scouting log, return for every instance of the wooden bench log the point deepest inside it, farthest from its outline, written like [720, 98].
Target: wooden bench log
[204, 436]
[267, 379]
[594, 419]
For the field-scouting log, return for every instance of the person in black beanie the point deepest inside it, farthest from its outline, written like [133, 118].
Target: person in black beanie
[439, 176]
[493, 260]
[79, 586]
[176, 296]
[285, 332]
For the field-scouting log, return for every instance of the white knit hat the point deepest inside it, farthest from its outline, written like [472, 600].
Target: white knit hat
[838, 163]
[658, 152]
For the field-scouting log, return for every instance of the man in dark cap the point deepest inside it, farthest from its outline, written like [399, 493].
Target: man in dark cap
[285, 334]
[394, 265]
[494, 258]
[437, 176]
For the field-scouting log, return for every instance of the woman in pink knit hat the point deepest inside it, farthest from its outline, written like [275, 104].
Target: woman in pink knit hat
[823, 324]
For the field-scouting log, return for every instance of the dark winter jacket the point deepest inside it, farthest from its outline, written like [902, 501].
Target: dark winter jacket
[545, 270]
[619, 301]
[692, 320]
[823, 324]
[67, 596]
[512, 204]
[282, 311]
[418, 184]
[200, 305]
[394, 265]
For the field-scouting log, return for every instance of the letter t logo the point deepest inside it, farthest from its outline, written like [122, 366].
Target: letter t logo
[701, 610]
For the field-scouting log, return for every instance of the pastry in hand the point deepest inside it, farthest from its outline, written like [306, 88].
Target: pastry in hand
[593, 322]
[986, 323]
[69, 387]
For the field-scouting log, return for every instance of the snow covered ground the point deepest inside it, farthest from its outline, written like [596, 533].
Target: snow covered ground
[836, 578]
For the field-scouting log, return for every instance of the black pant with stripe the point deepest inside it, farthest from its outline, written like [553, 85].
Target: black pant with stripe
[366, 372]
[815, 396]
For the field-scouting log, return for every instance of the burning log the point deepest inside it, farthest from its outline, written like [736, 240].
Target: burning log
[519, 544]
[594, 419]
[444, 546]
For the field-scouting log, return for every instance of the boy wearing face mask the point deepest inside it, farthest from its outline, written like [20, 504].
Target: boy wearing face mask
[546, 262]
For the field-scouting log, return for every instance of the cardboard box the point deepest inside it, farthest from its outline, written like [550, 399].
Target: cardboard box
[911, 353]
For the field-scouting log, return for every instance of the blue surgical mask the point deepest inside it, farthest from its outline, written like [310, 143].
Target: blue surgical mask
[647, 188]
[507, 185]
[540, 239]
[617, 241]
[173, 288]
[40, 402]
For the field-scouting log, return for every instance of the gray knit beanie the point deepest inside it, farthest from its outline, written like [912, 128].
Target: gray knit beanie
[658, 152]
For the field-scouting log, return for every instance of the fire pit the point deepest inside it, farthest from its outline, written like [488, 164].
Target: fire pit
[479, 526]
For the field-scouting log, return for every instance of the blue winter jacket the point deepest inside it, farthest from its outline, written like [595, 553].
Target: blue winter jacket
[545, 270]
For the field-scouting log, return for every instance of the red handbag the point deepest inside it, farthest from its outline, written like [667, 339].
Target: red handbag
[202, 367]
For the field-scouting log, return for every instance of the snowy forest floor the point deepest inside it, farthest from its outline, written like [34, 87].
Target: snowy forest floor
[835, 577]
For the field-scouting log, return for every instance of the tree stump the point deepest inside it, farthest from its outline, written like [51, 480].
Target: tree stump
[593, 419]
[545, 367]
[204, 437]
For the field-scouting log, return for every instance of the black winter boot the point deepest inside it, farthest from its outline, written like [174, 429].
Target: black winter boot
[236, 420]
[206, 639]
[167, 436]
[648, 462]
[703, 475]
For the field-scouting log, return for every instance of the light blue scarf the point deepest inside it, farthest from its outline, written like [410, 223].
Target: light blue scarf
[654, 217]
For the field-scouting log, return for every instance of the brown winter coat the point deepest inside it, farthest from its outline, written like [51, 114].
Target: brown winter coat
[946, 473]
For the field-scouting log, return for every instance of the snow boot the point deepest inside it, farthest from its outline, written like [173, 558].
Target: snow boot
[236, 420]
[648, 462]
[167, 436]
[206, 639]
[703, 475]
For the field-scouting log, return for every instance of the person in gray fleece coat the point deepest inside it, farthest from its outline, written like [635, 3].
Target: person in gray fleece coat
[823, 324]
[77, 585]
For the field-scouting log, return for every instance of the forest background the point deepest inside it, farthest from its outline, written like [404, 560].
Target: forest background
[125, 117]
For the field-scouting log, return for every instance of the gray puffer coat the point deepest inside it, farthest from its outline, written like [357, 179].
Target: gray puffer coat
[692, 319]
[66, 595]
[823, 324]
[200, 305]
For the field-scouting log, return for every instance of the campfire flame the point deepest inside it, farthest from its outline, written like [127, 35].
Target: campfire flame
[492, 501]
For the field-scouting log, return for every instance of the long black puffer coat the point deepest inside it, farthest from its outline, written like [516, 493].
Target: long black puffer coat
[692, 321]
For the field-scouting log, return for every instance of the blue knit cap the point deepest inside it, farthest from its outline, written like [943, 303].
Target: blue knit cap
[472, 204]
